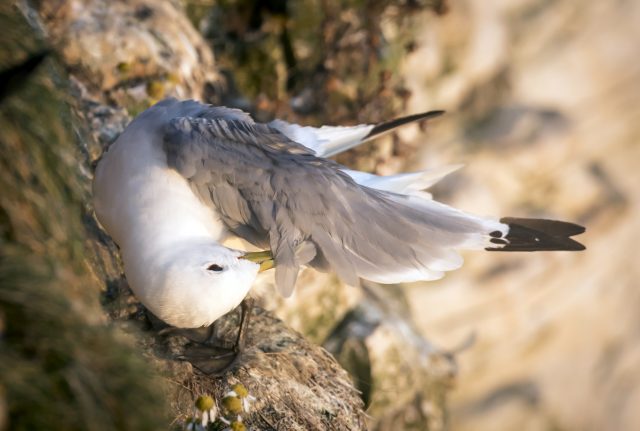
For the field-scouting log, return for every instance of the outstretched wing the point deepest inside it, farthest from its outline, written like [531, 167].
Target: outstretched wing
[328, 141]
[275, 192]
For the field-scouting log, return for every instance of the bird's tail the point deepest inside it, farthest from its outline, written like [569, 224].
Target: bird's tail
[406, 238]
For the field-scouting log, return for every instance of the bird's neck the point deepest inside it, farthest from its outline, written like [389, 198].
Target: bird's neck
[144, 199]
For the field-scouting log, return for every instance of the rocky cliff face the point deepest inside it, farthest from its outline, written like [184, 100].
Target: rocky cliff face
[78, 351]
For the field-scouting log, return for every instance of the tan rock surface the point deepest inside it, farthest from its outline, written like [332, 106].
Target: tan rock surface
[133, 50]
[543, 100]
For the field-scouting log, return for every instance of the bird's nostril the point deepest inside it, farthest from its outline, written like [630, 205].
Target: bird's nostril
[214, 267]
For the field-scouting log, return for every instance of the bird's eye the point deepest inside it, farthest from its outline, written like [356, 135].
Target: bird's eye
[214, 267]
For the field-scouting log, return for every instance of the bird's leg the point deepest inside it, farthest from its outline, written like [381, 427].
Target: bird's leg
[245, 317]
[213, 340]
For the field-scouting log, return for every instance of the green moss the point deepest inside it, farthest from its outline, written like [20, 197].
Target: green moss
[155, 90]
[61, 366]
[124, 67]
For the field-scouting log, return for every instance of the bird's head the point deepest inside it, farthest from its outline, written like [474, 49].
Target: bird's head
[194, 283]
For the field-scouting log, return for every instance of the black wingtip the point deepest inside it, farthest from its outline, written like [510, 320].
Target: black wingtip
[537, 235]
[387, 126]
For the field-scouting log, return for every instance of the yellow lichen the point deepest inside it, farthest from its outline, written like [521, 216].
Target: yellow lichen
[123, 67]
[173, 78]
[155, 89]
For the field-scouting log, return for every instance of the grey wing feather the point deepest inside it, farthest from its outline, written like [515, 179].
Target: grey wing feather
[273, 191]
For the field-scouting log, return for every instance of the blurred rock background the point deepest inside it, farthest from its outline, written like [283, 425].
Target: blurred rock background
[543, 99]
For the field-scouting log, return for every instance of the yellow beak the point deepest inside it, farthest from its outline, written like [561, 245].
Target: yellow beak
[263, 258]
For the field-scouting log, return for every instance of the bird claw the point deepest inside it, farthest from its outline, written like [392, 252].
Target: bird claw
[211, 361]
[209, 354]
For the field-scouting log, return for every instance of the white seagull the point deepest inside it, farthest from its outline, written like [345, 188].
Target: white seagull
[185, 175]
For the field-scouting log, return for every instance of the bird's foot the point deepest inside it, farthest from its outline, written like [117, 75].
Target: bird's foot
[205, 351]
[213, 361]
[209, 353]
